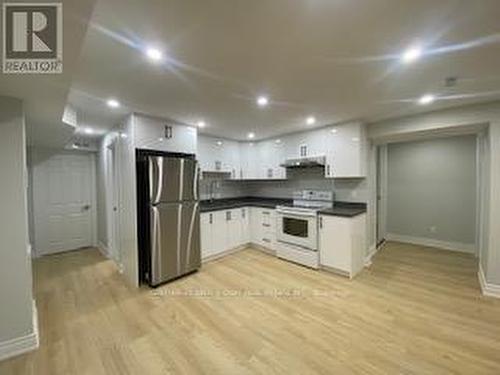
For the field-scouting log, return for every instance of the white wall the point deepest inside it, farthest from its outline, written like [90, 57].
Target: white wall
[461, 120]
[431, 190]
[16, 300]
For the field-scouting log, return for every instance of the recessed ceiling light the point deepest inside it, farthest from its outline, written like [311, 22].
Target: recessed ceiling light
[201, 124]
[251, 135]
[160, 139]
[311, 120]
[123, 135]
[88, 131]
[426, 99]
[262, 101]
[411, 55]
[113, 103]
[154, 54]
[278, 141]
[334, 131]
[219, 143]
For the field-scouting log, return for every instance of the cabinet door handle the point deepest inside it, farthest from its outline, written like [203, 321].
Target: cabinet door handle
[266, 240]
[266, 225]
[321, 222]
[168, 132]
[211, 218]
[265, 212]
[328, 170]
[228, 216]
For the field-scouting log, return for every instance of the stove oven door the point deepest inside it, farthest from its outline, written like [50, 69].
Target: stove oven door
[297, 229]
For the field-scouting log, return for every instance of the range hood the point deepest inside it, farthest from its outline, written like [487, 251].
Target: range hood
[305, 162]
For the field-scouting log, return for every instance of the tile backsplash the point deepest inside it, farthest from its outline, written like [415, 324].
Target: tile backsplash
[348, 190]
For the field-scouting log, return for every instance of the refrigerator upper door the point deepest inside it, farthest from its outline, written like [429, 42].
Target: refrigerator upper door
[190, 180]
[172, 179]
[165, 179]
[175, 240]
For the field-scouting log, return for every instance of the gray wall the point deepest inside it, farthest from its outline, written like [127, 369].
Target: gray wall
[431, 189]
[16, 301]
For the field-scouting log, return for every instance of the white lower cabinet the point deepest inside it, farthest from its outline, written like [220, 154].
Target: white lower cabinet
[223, 230]
[263, 227]
[342, 243]
[228, 229]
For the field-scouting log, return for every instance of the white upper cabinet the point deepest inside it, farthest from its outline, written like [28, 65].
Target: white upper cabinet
[219, 155]
[249, 169]
[344, 147]
[271, 155]
[346, 151]
[158, 134]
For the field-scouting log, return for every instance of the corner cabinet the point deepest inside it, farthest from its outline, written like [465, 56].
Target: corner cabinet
[342, 243]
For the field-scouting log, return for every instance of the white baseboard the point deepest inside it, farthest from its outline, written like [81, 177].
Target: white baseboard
[488, 289]
[103, 249]
[422, 241]
[223, 254]
[23, 344]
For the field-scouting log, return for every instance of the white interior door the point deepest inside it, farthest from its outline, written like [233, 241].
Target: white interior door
[63, 202]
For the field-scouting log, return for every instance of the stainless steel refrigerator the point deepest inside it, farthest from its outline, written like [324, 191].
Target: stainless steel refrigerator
[168, 216]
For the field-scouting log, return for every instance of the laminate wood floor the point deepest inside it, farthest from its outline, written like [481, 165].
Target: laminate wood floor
[415, 311]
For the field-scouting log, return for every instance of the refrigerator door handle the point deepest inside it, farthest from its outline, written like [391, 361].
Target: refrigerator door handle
[195, 182]
[190, 234]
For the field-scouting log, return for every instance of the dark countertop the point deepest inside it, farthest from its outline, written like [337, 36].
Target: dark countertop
[344, 209]
[230, 203]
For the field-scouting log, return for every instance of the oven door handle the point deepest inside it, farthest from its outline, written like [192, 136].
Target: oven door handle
[295, 213]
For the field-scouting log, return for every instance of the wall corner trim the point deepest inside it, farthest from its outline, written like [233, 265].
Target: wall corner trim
[489, 290]
[371, 253]
[22, 344]
[103, 249]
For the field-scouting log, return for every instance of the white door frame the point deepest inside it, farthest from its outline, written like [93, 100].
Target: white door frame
[112, 201]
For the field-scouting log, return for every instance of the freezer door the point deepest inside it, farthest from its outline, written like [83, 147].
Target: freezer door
[172, 179]
[165, 179]
[175, 240]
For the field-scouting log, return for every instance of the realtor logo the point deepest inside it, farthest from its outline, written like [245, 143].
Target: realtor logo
[32, 38]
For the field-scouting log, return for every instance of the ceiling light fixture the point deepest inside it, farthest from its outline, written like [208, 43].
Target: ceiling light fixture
[251, 135]
[201, 124]
[426, 99]
[262, 101]
[154, 54]
[219, 143]
[411, 55]
[113, 103]
[278, 141]
[311, 120]
[88, 131]
[333, 131]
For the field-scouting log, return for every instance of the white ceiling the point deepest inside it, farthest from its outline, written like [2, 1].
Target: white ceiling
[335, 59]
[45, 96]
